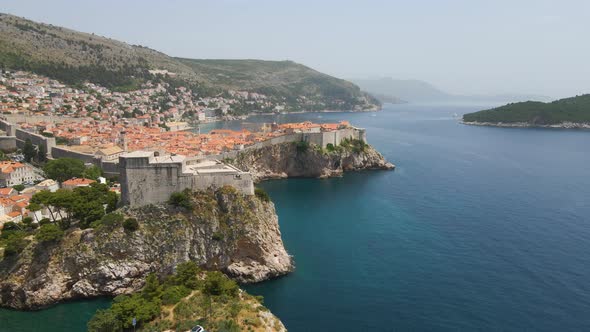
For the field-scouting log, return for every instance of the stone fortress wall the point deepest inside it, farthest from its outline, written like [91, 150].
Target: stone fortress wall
[320, 138]
[147, 178]
[20, 136]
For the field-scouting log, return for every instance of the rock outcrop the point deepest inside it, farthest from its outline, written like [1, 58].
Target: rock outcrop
[224, 230]
[295, 160]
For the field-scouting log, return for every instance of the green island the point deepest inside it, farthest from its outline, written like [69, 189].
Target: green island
[571, 112]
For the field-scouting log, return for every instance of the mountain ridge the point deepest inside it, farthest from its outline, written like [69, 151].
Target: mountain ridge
[74, 57]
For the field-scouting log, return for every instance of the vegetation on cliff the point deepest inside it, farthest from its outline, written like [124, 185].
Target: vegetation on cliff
[574, 110]
[69, 209]
[112, 253]
[74, 57]
[184, 299]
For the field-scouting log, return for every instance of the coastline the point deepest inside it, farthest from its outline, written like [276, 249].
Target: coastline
[563, 125]
[252, 114]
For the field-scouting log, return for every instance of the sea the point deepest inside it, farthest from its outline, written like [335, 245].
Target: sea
[477, 229]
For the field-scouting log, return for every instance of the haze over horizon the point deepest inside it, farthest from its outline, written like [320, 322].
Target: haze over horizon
[460, 46]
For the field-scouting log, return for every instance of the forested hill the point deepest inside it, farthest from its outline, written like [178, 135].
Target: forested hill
[74, 57]
[568, 110]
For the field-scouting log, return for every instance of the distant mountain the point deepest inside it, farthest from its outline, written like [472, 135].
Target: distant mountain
[407, 90]
[74, 57]
[420, 91]
[563, 112]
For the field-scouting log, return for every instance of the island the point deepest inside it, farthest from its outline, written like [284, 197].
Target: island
[571, 112]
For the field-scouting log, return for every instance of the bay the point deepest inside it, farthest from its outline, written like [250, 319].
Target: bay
[478, 228]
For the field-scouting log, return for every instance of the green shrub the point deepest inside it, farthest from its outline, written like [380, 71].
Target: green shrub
[32, 225]
[187, 275]
[261, 194]
[181, 199]
[345, 143]
[228, 326]
[152, 289]
[174, 294]
[131, 224]
[108, 221]
[14, 245]
[10, 226]
[19, 187]
[104, 321]
[44, 221]
[302, 146]
[330, 147]
[216, 284]
[217, 236]
[125, 308]
[49, 233]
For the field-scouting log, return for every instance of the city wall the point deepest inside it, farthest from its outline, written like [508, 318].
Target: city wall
[38, 140]
[21, 136]
[321, 138]
[109, 168]
[145, 181]
[60, 152]
[7, 143]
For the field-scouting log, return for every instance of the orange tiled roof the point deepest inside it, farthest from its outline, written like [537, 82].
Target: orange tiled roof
[6, 191]
[78, 182]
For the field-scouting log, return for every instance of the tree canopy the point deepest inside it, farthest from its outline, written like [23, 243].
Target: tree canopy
[83, 204]
[63, 169]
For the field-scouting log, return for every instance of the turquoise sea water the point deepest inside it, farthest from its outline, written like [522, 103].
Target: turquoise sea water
[477, 229]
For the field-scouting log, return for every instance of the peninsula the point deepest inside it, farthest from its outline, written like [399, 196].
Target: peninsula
[571, 112]
[108, 192]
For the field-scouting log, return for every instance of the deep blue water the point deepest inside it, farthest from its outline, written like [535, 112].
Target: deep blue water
[477, 229]
[71, 316]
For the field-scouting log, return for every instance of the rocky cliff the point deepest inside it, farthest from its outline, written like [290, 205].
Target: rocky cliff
[302, 160]
[224, 230]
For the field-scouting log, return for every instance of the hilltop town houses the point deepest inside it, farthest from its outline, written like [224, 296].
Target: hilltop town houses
[14, 173]
[143, 137]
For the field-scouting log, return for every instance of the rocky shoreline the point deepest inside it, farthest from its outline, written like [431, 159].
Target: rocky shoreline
[225, 231]
[564, 125]
[288, 160]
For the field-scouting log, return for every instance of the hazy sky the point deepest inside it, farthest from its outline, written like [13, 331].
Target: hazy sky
[462, 46]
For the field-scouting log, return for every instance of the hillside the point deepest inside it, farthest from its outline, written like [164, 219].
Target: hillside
[74, 57]
[284, 79]
[574, 110]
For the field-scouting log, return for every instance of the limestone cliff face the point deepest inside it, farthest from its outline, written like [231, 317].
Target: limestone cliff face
[292, 160]
[224, 230]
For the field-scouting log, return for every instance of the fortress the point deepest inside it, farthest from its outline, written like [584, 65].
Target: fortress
[150, 177]
[146, 177]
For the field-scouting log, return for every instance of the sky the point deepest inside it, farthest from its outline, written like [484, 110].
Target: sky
[461, 46]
